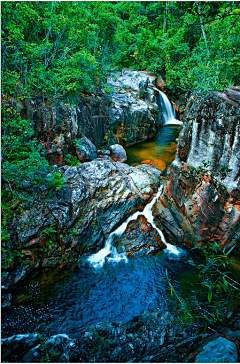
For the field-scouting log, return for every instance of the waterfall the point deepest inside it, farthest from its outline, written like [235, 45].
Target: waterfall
[168, 112]
[110, 252]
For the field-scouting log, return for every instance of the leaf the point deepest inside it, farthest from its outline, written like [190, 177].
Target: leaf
[209, 296]
[231, 249]
[225, 282]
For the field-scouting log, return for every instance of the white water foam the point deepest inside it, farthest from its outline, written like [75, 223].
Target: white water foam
[97, 260]
[169, 116]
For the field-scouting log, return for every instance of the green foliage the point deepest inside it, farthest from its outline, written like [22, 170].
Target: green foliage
[25, 174]
[60, 49]
[214, 290]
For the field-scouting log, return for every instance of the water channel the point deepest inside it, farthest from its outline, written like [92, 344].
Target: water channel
[107, 287]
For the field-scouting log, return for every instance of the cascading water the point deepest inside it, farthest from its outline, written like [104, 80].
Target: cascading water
[110, 252]
[168, 112]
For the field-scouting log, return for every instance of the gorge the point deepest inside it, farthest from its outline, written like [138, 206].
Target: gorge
[120, 175]
[110, 224]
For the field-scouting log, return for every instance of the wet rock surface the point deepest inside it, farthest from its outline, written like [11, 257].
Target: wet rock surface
[151, 337]
[219, 350]
[96, 198]
[194, 206]
[140, 238]
[15, 346]
[117, 153]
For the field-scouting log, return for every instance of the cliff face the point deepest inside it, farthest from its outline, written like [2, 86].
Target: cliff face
[201, 203]
[127, 115]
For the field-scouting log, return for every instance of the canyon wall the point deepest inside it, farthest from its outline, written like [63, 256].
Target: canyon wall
[127, 114]
[201, 200]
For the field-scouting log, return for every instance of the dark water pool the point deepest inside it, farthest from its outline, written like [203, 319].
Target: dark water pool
[159, 151]
[67, 299]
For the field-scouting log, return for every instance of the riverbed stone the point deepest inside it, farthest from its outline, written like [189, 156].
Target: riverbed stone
[86, 150]
[60, 346]
[118, 153]
[219, 350]
[17, 345]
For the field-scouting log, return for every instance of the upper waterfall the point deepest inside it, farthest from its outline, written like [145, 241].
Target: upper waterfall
[168, 112]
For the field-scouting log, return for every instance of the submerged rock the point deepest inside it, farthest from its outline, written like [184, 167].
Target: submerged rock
[6, 299]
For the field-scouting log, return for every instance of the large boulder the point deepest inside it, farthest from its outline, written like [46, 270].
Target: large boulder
[118, 153]
[201, 201]
[140, 238]
[86, 150]
[134, 112]
[219, 350]
[96, 198]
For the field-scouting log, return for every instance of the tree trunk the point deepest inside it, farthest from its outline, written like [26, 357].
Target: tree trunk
[203, 31]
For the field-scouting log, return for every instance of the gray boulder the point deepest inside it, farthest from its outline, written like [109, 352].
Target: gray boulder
[219, 350]
[18, 343]
[96, 198]
[61, 344]
[86, 150]
[118, 153]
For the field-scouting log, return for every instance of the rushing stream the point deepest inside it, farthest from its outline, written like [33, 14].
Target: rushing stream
[110, 252]
[106, 285]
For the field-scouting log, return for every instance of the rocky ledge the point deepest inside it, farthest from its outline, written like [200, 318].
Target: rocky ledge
[201, 201]
[127, 114]
[96, 198]
[151, 337]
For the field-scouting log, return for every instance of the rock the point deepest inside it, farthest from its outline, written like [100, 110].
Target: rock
[6, 299]
[117, 342]
[219, 350]
[140, 238]
[233, 94]
[18, 344]
[104, 152]
[118, 153]
[86, 150]
[33, 355]
[60, 344]
[196, 207]
[120, 117]
[134, 119]
[96, 198]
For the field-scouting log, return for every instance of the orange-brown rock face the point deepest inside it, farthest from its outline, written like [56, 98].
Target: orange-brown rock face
[140, 238]
[203, 204]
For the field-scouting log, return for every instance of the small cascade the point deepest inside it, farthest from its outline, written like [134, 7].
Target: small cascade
[109, 252]
[169, 115]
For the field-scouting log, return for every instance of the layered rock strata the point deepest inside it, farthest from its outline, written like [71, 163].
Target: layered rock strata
[127, 115]
[96, 198]
[201, 201]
